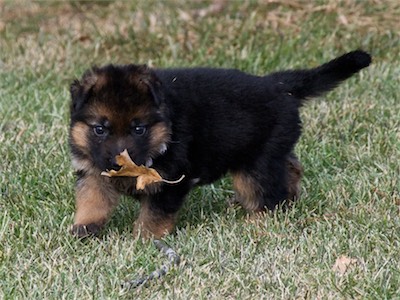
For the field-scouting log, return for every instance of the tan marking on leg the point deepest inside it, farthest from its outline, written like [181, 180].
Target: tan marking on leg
[295, 172]
[95, 201]
[248, 191]
[151, 224]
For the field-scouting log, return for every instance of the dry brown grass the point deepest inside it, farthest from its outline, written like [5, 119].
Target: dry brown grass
[48, 31]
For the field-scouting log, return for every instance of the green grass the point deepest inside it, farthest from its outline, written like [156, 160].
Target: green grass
[350, 150]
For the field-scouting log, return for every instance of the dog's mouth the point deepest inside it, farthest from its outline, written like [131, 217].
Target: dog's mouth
[113, 165]
[116, 168]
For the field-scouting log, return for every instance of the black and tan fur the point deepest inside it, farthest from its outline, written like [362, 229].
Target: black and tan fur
[200, 122]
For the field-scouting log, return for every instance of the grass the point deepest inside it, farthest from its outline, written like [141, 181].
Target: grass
[350, 150]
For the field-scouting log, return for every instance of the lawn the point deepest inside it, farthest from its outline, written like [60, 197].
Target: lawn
[340, 241]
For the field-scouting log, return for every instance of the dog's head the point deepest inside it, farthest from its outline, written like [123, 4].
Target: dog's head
[115, 108]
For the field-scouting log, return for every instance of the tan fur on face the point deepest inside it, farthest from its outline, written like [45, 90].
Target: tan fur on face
[120, 119]
[82, 164]
[79, 133]
[100, 111]
[150, 224]
[94, 201]
[160, 134]
[248, 191]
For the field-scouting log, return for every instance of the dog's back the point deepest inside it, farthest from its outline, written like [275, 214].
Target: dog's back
[213, 86]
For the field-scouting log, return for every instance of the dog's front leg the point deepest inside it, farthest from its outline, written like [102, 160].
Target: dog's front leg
[152, 222]
[95, 201]
[158, 212]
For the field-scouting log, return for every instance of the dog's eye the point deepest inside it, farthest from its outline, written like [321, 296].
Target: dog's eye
[100, 130]
[139, 130]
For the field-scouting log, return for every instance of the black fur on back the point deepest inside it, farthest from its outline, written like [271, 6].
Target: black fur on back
[228, 117]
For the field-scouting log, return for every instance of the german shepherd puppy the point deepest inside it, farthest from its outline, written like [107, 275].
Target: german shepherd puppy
[199, 122]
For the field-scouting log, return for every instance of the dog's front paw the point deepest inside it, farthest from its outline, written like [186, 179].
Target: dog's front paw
[82, 231]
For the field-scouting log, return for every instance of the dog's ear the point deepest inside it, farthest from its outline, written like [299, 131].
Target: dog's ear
[147, 81]
[81, 89]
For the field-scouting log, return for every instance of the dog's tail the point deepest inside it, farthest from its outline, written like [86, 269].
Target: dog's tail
[304, 84]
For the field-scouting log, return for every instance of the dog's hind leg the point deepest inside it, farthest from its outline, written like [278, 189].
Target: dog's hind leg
[269, 184]
[248, 191]
[295, 173]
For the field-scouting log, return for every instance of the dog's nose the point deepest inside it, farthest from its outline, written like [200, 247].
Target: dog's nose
[114, 165]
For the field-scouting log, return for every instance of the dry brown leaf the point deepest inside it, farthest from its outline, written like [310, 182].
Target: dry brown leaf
[144, 175]
[343, 263]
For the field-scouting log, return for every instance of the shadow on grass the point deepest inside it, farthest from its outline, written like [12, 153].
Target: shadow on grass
[207, 202]
[201, 204]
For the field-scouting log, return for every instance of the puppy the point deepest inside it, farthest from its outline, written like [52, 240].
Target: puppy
[202, 123]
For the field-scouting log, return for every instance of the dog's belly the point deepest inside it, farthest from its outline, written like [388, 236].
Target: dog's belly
[207, 173]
